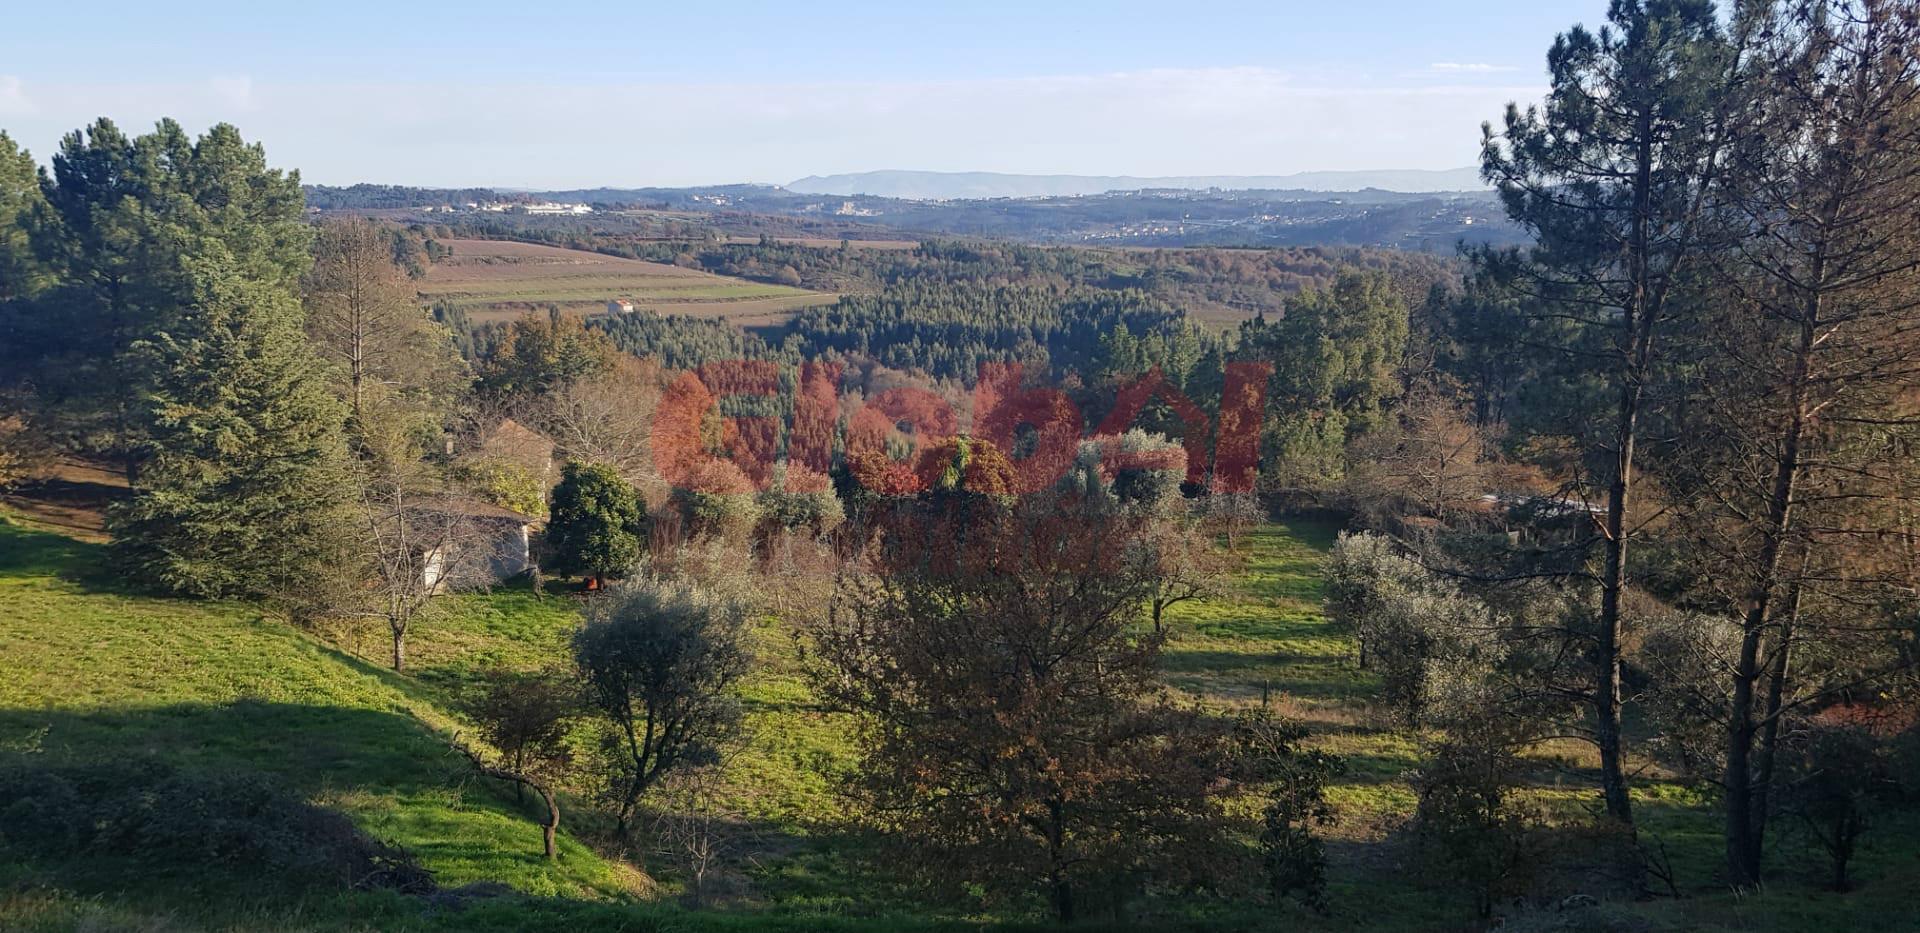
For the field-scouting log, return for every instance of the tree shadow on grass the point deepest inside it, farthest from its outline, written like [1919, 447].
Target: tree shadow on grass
[397, 780]
[396, 777]
[305, 749]
[25, 552]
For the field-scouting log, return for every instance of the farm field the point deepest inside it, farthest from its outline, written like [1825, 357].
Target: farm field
[106, 678]
[498, 280]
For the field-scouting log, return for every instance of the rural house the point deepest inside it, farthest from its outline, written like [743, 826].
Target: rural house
[474, 543]
[515, 443]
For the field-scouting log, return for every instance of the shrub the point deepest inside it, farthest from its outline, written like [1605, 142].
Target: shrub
[730, 516]
[1839, 776]
[169, 820]
[597, 523]
[798, 500]
[1467, 827]
[527, 718]
[505, 484]
[23, 451]
[1294, 858]
[1431, 644]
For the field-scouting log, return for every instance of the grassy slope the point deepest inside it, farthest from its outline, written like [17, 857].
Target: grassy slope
[94, 672]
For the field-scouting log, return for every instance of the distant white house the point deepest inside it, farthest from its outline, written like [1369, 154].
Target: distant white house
[550, 207]
[619, 306]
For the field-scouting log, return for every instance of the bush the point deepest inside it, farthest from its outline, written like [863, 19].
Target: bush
[1431, 644]
[1294, 858]
[1468, 829]
[23, 452]
[729, 516]
[170, 820]
[799, 500]
[1839, 776]
[505, 484]
[1137, 468]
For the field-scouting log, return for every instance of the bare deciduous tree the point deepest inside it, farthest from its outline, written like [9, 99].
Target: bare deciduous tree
[604, 418]
[408, 544]
[697, 828]
[363, 314]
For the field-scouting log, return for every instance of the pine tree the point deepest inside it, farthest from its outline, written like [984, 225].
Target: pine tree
[21, 271]
[1611, 176]
[240, 486]
[1801, 406]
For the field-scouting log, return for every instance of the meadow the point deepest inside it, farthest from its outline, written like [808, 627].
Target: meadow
[498, 280]
[99, 677]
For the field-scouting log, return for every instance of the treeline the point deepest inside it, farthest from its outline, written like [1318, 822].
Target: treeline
[395, 197]
[1231, 280]
[948, 331]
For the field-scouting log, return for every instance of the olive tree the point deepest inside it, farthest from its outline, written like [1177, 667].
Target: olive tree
[658, 659]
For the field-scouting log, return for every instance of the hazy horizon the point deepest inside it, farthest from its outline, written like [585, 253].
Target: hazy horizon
[627, 97]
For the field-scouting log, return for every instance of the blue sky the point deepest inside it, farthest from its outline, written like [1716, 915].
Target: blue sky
[559, 95]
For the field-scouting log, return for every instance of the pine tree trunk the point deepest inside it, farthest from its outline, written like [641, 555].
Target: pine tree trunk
[1637, 346]
[1606, 695]
[1776, 698]
[1743, 843]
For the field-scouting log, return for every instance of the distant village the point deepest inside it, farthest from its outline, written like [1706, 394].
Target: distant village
[503, 207]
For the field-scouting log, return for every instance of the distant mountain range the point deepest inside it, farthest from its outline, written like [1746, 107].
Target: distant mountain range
[931, 186]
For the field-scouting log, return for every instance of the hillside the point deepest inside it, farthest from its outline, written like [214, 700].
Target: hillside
[99, 676]
[104, 680]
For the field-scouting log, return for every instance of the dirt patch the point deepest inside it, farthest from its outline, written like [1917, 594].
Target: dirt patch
[71, 498]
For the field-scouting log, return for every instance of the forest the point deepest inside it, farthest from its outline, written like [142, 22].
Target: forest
[1568, 585]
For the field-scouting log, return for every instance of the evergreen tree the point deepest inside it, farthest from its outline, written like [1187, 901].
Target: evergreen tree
[21, 272]
[240, 444]
[1336, 360]
[1800, 411]
[595, 525]
[128, 220]
[242, 489]
[1611, 176]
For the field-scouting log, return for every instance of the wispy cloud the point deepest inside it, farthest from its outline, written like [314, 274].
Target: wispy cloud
[13, 96]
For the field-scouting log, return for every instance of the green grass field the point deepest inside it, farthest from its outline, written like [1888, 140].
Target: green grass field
[496, 280]
[94, 674]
